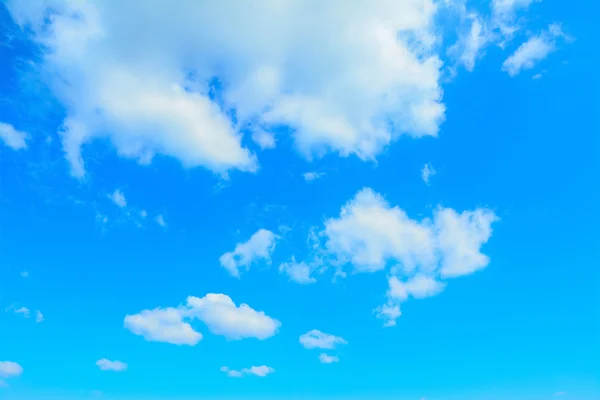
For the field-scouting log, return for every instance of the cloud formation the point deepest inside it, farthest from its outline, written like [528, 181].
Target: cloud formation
[259, 247]
[108, 365]
[260, 371]
[13, 138]
[316, 339]
[217, 311]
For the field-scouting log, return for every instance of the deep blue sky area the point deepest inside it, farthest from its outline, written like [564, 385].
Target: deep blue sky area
[378, 200]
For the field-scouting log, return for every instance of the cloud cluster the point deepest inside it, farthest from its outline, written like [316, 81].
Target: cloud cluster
[316, 339]
[259, 247]
[356, 77]
[217, 311]
[9, 369]
[26, 312]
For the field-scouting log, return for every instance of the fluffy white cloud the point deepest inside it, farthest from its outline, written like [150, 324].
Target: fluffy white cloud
[259, 247]
[327, 359]
[10, 369]
[298, 272]
[261, 371]
[534, 50]
[370, 235]
[108, 365]
[163, 325]
[39, 317]
[316, 339]
[13, 138]
[347, 77]
[427, 172]
[118, 198]
[217, 311]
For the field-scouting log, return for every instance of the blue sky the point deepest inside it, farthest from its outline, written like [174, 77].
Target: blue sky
[293, 200]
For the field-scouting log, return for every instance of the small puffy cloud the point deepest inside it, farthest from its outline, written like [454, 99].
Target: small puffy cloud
[217, 311]
[163, 325]
[534, 50]
[311, 176]
[260, 371]
[10, 369]
[260, 246]
[39, 317]
[108, 365]
[13, 138]
[160, 220]
[316, 339]
[118, 198]
[297, 272]
[427, 172]
[327, 359]
[264, 139]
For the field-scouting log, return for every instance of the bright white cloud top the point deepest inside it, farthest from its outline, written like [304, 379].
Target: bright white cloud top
[316, 339]
[217, 311]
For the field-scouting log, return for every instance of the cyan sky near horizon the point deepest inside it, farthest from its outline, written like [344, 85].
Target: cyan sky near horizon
[209, 201]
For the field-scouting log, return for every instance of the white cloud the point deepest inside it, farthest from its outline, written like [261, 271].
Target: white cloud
[297, 272]
[471, 43]
[345, 77]
[13, 138]
[534, 50]
[160, 220]
[108, 365]
[327, 359]
[260, 371]
[217, 311]
[504, 7]
[10, 369]
[24, 274]
[232, 373]
[23, 310]
[39, 317]
[427, 172]
[260, 246]
[143, 213]
[264, 139]
[370, 235]
[311, 176]
[163, 325]
[316, 339]
[118, 198]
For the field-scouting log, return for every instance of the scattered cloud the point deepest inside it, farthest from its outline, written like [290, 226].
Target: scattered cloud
[260, 371]
[427, 172]
[160, 220]
[311, 176]
[260, 246]
[108, 365]
[118, 198]
[370, 235]
[13, 138]
[534, 50]
[316, 339]
[327, 359]
[217, 311]
[10, 369]
[39, 317]
[297, 272]
[23, 310]
[264, 139]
